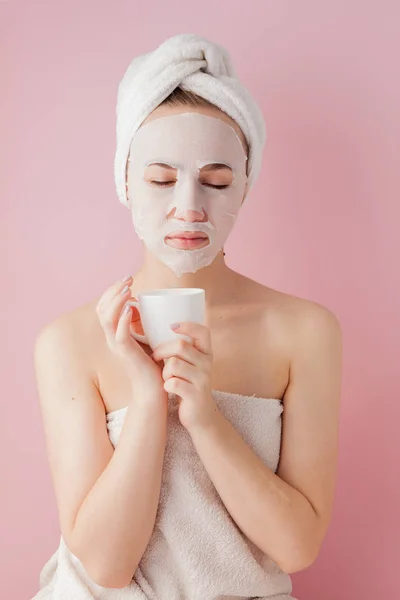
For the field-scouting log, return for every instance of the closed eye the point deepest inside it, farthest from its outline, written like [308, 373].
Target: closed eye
[162, 183]
[217, 187]
[169, 183]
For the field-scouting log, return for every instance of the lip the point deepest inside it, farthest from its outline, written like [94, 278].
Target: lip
[188, 235]
[187, 240]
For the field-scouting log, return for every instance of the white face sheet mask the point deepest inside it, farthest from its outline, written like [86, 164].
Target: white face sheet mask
[187, 142]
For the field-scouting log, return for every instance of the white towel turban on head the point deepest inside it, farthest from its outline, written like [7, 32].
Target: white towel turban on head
[192, 63]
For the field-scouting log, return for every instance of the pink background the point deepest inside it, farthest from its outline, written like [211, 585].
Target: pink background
[322, 223]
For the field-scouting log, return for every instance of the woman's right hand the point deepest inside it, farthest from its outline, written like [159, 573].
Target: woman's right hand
[115, 315]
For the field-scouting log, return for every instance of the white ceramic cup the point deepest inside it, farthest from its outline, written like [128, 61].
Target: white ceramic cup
[159, 309]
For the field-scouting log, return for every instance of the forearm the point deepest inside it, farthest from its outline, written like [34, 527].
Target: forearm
[115, 522]
[276, 517]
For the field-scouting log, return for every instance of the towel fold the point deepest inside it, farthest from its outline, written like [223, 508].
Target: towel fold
[193, 63]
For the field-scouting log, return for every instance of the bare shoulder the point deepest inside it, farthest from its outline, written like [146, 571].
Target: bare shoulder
[71, 333]
[312, 337]
[312, 322]
[307, 317]
[295, 319]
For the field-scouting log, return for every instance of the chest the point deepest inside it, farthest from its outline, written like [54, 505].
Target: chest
[250, 358]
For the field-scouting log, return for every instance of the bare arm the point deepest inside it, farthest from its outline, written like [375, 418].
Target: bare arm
[107, 500]
[286, 514]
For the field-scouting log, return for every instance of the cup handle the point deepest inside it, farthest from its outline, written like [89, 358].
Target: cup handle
[137, 336]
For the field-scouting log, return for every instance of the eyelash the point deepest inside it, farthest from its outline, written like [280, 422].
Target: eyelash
[166, 183]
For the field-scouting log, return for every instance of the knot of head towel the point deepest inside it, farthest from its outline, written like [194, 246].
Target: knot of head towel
[193, 63]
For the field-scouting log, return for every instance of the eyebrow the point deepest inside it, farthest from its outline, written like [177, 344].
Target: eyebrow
[210, 167]
[160, 164]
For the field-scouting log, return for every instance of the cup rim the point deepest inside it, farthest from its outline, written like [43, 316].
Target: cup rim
[158, 293]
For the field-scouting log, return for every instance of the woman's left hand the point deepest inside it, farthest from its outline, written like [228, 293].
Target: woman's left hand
[187, 373]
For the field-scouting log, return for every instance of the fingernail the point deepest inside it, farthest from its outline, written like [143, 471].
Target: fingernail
[127, 308]
[127, 278]
[175, 326]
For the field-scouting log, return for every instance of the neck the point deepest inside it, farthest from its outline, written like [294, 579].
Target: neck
[217, 279]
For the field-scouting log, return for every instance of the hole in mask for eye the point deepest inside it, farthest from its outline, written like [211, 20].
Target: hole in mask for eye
[218, 176]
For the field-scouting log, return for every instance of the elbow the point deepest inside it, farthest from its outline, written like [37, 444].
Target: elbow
[295, 566]
[299, 559]
[102, 573]
[107, 578]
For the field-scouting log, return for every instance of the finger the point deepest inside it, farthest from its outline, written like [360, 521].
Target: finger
[113, 290]
[200, 334]
[123, 337]
[136, 321]
[178, 386]
[175, 367]
[180, 348]
[110, 314]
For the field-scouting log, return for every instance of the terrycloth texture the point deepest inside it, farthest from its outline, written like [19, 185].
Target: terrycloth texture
[196, 551]
[192, 63]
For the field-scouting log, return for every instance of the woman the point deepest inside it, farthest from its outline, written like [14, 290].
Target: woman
[202, 495]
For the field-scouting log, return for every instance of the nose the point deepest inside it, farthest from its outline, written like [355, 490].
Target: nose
[189, 216]
[188, 205]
